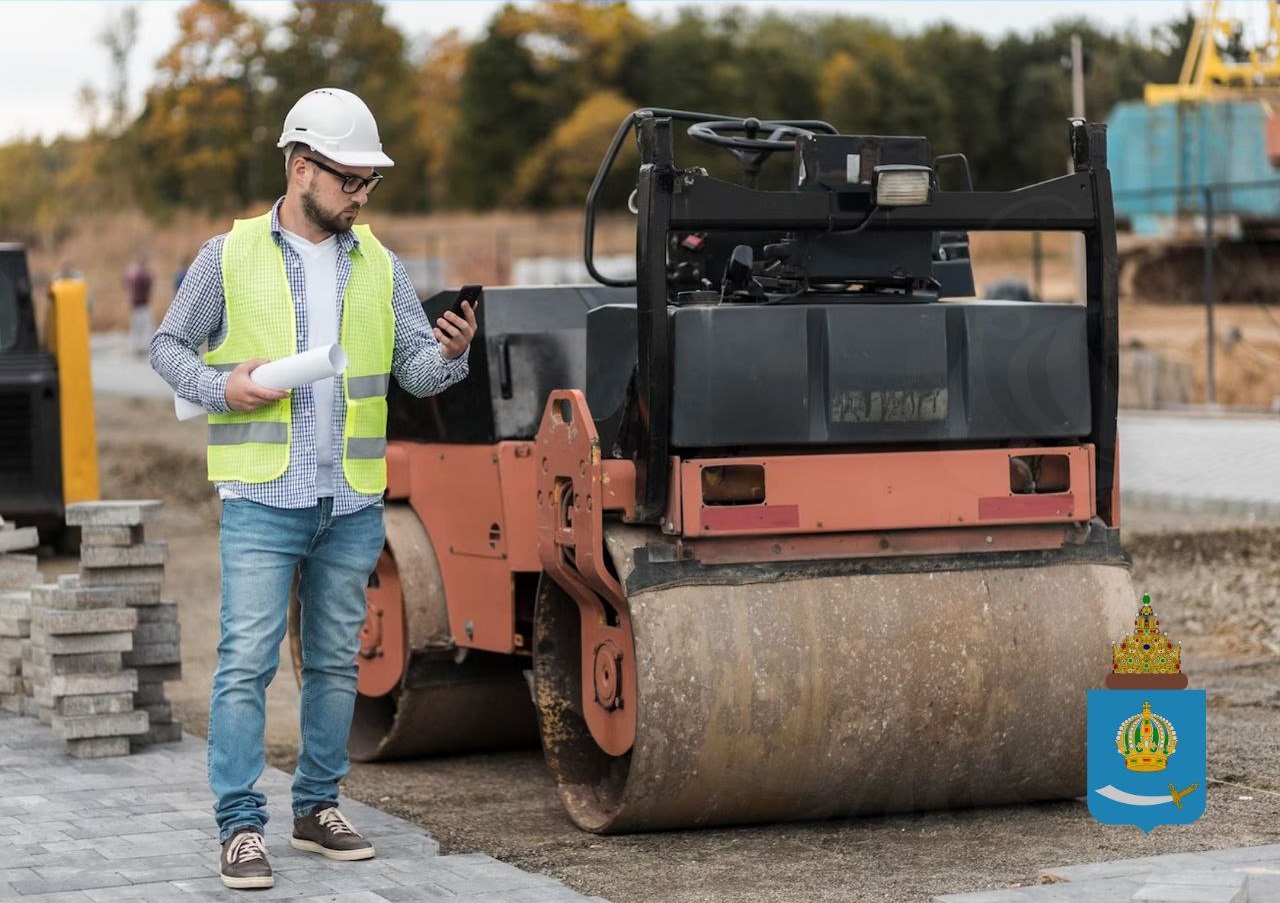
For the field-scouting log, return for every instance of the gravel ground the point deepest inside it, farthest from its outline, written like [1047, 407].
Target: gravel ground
[1216, 588]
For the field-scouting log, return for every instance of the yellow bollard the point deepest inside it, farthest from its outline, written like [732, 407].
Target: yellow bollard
[67, 339]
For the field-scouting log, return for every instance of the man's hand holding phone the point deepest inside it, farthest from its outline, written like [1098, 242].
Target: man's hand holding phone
[457, 327]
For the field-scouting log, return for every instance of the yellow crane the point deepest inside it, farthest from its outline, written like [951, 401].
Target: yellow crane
[1207, 76]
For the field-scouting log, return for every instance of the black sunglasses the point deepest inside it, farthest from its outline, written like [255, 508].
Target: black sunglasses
[350, 184]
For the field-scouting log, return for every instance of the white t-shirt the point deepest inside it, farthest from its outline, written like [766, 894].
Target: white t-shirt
[320, 269]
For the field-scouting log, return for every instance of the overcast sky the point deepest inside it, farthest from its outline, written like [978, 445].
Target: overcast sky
[50, 48]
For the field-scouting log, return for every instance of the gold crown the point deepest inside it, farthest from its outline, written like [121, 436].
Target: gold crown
[1146, 650]
[1146, 741]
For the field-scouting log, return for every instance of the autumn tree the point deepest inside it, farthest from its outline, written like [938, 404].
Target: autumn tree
[197, 127]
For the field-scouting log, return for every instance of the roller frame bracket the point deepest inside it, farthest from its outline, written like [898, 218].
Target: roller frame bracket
[572, 498]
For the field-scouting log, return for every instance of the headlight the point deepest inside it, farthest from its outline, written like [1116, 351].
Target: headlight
[899, 185]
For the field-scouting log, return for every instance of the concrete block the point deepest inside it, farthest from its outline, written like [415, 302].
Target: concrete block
[92, 684]
[1188, 893]
[120, 513]
[81, 643]
[163, 632]
[10, 664]
[16, 627]
[149, 654]
[18, 571]
[96, 704]
[15, 605]
[85, 663]
[11, 702]
[44, 714]
[163, 613]
[30, 709]
[98, 747]
[70, 594]
[159, 673]
[50, 621]
[10, 684]
[158, 712]
[111, 536]
[121, 576]
[159, 733]
[148, 693]
[81, 726]
[146, 554]
[17, 540]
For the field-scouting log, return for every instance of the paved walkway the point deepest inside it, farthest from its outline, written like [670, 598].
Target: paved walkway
[1239, 875]
[139, 829]
[1212, 464]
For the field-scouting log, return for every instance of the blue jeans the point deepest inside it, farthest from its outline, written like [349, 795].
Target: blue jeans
[262, 547]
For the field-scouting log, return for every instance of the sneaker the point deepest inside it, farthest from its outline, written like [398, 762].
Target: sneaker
[326, 831]
[244, 860]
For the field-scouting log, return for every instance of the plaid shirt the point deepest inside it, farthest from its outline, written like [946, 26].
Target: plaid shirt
[198, 315]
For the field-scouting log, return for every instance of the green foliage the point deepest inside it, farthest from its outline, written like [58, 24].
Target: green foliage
[522, 115]
[560, 171]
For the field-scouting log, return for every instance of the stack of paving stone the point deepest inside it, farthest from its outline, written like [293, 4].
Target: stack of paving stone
[78, 639]
[117, 562]
[17, 575]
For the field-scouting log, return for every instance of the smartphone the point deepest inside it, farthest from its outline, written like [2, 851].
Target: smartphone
[469, 293]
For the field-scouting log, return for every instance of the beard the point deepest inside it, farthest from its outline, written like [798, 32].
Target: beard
[333, 223]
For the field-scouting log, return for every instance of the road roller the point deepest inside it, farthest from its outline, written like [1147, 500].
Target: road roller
[789, 526]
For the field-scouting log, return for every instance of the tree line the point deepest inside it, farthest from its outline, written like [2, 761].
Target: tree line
[519, 117]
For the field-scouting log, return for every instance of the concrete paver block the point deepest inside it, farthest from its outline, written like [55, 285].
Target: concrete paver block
[77, 727]
[98, 620]
[84, 643]
[15, 605]
[121, 576]
[97, 596]
[1185, 893]
[111, 536]
[160, 613]
[151, 654]
[150, 674]
[97, 747]
[15, 627]
[44, 664]
[159, 733]
[146, 554]
[114, 513]
[157, 632]
[19, 539]
[97, 704]
[93, 684]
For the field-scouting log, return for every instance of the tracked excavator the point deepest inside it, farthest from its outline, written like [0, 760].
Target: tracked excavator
[780, 529]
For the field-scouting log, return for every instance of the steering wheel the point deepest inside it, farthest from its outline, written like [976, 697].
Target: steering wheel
[781, 135]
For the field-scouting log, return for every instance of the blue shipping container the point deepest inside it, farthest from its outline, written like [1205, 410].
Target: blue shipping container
[1162, 157]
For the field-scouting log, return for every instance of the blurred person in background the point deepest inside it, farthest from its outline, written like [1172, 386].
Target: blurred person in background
[138, 282]
[301, 474]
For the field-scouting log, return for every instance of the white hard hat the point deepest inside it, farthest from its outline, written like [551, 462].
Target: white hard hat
[337, 124]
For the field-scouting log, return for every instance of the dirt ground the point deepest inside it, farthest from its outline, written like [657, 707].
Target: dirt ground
[1216, 588]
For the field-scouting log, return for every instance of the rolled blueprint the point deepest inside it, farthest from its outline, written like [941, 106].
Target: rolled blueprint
[284, 374]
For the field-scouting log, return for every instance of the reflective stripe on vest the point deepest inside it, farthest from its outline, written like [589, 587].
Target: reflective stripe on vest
[254, 448]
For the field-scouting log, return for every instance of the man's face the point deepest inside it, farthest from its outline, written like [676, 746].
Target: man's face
[325, 203]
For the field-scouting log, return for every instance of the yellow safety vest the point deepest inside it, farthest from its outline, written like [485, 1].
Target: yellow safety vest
[254, 448]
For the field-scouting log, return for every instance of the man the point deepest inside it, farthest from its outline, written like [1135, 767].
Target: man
[137, 282]
[301, 474]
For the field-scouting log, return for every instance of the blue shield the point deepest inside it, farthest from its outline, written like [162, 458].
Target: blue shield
[1172, 795]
